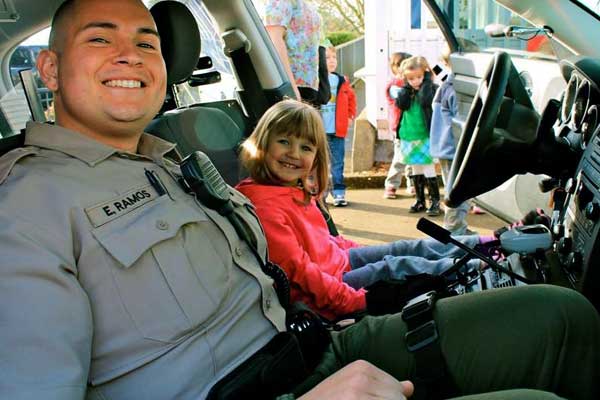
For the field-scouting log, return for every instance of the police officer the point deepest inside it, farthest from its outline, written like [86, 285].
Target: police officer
[115, 283]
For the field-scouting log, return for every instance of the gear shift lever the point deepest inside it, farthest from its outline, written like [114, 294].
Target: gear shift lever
[442, 235]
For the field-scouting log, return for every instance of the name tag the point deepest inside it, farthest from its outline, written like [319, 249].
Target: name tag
[105, 212]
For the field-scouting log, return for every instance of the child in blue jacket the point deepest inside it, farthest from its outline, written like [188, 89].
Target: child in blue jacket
[443, 146]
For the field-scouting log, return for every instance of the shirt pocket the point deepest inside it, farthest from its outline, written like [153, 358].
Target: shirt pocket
[166, 288]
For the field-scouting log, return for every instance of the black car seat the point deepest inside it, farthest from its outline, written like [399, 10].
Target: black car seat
[11, 142]
[207, 129]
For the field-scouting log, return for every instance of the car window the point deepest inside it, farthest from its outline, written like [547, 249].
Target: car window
[469, 18]
[212, 46]
[14, 111]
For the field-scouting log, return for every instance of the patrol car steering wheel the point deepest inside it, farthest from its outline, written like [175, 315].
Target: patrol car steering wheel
[500, 128]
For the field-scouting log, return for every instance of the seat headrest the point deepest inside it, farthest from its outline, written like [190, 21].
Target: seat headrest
[179, 39]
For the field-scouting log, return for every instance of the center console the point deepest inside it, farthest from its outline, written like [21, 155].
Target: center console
[578, 249]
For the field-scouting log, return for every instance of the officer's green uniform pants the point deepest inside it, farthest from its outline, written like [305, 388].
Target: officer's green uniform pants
[533, 337]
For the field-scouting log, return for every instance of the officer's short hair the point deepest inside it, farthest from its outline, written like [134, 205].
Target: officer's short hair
[59, 16]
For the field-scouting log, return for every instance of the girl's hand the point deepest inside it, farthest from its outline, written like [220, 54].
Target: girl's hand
[394, 91]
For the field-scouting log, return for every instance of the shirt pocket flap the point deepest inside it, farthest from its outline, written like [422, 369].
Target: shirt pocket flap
[128, 237]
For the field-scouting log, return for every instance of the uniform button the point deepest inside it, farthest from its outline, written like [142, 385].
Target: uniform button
[238, 251]
[268, 303]
[162, 224]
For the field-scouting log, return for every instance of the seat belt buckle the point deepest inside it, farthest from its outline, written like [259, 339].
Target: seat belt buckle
[418, 315]
[421, 336]
[419, 307]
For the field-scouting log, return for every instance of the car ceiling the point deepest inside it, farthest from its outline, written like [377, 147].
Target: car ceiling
[572, 26]
[34, 15]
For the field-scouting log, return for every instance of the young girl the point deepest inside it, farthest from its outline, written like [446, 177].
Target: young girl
[326, 272]
[397, 168]
[415, 100]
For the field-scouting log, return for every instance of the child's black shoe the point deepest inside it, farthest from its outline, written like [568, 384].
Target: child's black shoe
[434, 210]
[418, 207]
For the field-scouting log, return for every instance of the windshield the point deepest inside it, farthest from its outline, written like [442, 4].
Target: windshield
[469, 18]
[592, 6]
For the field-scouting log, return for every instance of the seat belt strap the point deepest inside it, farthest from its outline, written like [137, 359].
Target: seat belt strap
[422, 339]
[253, 97]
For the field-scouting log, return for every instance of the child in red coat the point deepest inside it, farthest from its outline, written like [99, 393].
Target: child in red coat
[337, 115]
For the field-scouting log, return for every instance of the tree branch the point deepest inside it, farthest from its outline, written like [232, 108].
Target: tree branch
[356, 23]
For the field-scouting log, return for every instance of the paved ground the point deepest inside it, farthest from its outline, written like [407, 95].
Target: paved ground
[371, 219]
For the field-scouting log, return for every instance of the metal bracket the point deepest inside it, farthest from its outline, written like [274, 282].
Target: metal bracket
[235, 39]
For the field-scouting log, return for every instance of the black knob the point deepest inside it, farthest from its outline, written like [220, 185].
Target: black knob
[575, 261]
[564, 245]
[547, 185]
[592, 211]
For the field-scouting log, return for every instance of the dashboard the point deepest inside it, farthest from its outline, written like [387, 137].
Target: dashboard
[579, 113]
[576, 217]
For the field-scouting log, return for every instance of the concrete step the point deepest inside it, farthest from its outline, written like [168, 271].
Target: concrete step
[364, 180]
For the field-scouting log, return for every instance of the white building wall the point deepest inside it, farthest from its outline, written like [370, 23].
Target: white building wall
[387, 30]
[375, 72]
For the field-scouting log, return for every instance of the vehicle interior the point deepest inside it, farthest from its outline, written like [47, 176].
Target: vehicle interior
[507, 126]
[548, 124]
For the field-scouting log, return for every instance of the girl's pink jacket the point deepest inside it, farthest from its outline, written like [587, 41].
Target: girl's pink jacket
[299, 241]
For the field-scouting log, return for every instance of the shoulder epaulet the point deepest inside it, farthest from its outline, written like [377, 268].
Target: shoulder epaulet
[8, 160]
[238, 198]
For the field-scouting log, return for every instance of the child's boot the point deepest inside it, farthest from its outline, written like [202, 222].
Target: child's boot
[434, 197]
[418, 182]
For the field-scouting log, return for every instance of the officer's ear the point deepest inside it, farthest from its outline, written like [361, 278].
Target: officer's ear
[47, 65]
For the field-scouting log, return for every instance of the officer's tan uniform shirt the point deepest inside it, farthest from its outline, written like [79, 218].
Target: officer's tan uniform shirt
[105, 283]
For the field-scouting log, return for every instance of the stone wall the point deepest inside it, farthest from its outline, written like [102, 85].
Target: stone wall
[363, 144]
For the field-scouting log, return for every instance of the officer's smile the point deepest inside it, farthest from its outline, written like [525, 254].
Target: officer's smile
[124, 83]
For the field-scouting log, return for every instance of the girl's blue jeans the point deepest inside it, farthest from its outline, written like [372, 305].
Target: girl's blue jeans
[398, 259]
